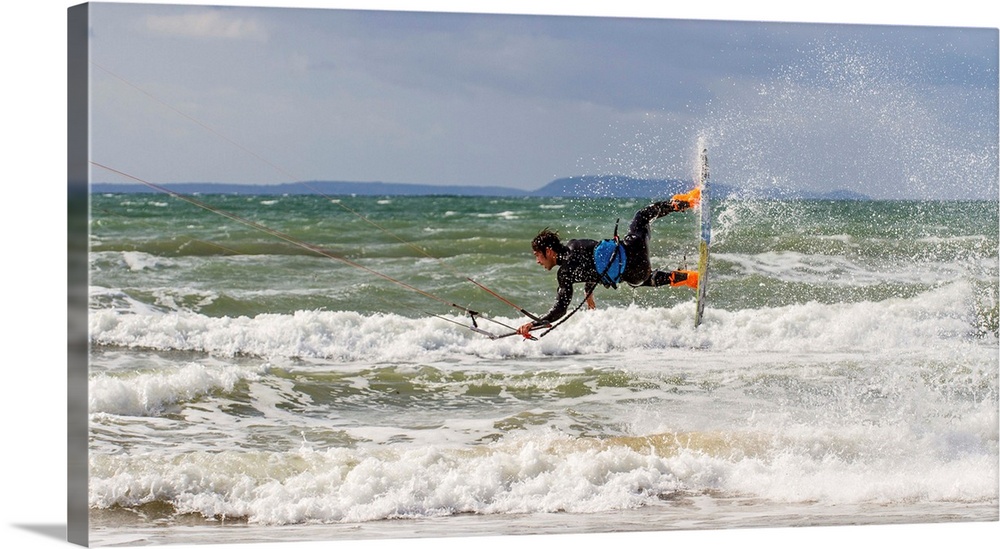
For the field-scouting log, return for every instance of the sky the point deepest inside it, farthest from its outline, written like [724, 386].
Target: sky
[195, 93]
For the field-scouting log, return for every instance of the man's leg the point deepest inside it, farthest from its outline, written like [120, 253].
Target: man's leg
[679, 203]
[637, 267]
[672, 278]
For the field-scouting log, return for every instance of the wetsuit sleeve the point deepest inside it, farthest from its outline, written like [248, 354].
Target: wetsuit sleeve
[563, 298]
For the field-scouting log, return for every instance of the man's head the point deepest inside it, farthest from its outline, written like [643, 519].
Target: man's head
[547, 247]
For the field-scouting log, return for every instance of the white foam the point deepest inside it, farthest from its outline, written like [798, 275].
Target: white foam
[940, 315]
[539, 472]
[508, 215]
[895, 403]
[140, 261]
[150, 393]
[944, 315]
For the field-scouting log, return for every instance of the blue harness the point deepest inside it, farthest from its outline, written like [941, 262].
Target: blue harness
[609, 260]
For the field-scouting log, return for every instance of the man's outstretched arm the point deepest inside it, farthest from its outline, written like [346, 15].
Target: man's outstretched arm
[563, 298]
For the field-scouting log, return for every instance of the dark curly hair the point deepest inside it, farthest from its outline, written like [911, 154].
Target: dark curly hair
[547, 239]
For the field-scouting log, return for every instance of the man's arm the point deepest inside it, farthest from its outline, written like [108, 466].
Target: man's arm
[590, 295]
[563, 298]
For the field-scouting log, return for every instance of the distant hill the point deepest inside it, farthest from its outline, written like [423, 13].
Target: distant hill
[588, 186]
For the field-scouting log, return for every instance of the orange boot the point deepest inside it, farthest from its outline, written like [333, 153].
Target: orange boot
[692, 197]
[684, 278]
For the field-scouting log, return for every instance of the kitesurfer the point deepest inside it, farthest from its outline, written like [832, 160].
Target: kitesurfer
[608, 262]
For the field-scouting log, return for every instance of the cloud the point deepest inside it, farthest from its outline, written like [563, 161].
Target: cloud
[207, 24]
[519, 100]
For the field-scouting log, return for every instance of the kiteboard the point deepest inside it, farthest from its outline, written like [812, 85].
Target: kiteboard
[705, 235]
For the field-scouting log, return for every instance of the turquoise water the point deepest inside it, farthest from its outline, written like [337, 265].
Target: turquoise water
[177, 256]
[848, 362]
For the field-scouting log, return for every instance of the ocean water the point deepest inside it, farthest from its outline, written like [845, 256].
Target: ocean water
[244, 387]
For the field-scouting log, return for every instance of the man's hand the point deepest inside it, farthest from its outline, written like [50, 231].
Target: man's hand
[590, 302]
[525, 329]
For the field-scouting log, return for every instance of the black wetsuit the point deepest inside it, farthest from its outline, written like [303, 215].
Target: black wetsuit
[576, 261]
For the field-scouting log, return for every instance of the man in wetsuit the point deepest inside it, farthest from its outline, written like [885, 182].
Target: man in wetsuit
[576, 260]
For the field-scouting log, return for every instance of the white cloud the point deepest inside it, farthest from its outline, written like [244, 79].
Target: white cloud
[207, 24]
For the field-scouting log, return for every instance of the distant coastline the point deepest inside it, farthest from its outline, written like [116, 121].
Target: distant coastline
[590, 186]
